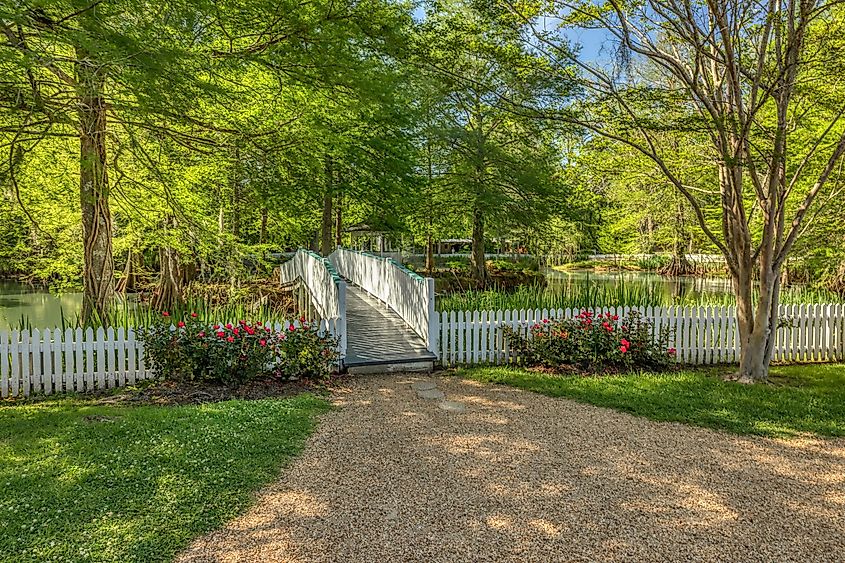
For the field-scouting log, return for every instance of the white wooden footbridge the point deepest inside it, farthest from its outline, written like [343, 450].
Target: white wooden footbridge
[383, 313]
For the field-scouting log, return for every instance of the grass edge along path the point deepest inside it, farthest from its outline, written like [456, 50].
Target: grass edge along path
[82, 481]
[799, 400]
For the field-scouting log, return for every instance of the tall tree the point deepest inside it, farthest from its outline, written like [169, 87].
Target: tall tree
[500, 161]
[743, 71]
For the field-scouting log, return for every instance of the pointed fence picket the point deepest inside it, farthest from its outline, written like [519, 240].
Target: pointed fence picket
[700, 335]
[75, 361]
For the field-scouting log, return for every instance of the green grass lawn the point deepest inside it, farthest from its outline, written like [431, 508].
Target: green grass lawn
[85, 482]
[799, 399]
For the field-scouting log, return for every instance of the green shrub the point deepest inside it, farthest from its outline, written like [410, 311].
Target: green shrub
[592, 342]
[192, 350]
[520, 265]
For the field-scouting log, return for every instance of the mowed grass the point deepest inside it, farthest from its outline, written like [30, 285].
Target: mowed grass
[85, 482]
[799, 399]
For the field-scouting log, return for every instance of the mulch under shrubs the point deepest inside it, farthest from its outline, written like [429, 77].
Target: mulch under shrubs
[171, 392]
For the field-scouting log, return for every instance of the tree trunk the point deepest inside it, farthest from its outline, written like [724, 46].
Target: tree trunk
[129, 280]
[169, 291]
[98, 262]
[262, 237]
[328, 197]
[429, 255]
[338, 221]
[478, 261]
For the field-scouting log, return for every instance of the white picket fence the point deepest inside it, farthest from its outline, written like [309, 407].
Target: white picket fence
[34, 362]
[700, 335]
[52, 361]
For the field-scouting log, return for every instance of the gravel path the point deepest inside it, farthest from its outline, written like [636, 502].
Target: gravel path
[499, 474]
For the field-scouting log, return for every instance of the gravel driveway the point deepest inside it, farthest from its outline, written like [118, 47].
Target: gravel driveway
[390, 476]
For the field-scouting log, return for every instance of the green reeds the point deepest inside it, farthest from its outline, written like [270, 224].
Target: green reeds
[591, 295]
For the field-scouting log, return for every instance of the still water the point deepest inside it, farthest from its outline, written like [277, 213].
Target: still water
[674, 288]
[35, 306]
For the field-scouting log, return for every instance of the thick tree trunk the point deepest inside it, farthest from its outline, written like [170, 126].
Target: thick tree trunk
[169, 290]
[477, 260]
[98, 262]
[129, 280]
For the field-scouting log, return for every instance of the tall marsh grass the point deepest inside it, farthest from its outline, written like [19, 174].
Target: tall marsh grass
[130, 314]
[600, 295]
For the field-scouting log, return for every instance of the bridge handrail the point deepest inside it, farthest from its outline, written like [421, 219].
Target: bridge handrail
[327, 288]
[410, 295]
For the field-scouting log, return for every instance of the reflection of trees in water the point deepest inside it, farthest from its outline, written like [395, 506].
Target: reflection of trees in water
[675, 288]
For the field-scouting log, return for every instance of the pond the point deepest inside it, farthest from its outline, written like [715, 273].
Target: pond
[671, 288]
[35, 306]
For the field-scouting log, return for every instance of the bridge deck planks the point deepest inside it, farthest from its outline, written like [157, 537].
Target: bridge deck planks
[376, 334]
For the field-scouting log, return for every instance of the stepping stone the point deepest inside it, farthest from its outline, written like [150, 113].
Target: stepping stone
[452, 406]
[423, 386]
[430, 394]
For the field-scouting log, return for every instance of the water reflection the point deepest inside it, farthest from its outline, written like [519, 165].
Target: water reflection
[674, 288]
[35, 306]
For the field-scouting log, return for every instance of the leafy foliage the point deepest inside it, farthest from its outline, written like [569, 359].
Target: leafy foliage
[192, 350]
[592, 342]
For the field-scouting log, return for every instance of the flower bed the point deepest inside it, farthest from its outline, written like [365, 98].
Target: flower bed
[591, 342]
[233, 353]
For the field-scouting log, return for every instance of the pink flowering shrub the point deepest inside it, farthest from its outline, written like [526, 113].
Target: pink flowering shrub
[193, 350]
[592, 342]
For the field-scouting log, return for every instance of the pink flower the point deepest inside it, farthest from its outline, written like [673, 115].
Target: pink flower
[545, 321]
[180, 324]
[291, 328]
[623, 349]
[193, 315]
[262, 342]
[615, 317]
[165, 314]
[216, 327]
[230, 339]
[229, 326]
[302, 319]
[625, 343]
[236, 331]
[266, 329]
[221, 334]
[671, 351]
[201, 334]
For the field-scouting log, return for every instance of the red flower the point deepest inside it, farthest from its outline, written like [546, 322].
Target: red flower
[194, 315]
[230, 339]
[201, 334]
[623, 349]
[625, 343]
[615, 317]
[229, 326]
[671, 351]
[262, 342]
[266, 329]
[221, 334]
[180, 324]
[291, 328]
[250, 331]
[216, 327]
[302, 319]
[545, 321]
[165, 314]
